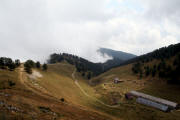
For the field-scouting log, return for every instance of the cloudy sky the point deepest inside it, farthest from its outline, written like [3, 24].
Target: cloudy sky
[32, 29]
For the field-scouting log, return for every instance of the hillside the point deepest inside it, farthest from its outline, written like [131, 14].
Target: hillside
[88, 68]
[46, 95]
[163, 63]
[40, 95]
[62, 92]
[155, 73]
[111, 95]
[118, 57]
[114, 93]
[116, 54]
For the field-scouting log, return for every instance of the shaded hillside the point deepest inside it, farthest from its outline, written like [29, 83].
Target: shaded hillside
[88, 68]
[84, 66]
[161, 53]
[114, 93]
[111, 63]
[166, 65]
[116, 54]
[118, 57]
[149, 74]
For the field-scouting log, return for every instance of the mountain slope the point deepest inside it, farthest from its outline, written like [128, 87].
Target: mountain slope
[114, 93]
[166, 64]
[28, 97]
[163, 63]
[116, 54]
[89, 68]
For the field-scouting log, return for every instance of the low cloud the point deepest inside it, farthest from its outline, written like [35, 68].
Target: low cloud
[34, 29]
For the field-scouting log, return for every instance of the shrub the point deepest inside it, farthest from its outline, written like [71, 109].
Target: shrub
[45, 67]
[62, 99]
[38, 65]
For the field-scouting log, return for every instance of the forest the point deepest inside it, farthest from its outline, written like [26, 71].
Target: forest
[163, 69]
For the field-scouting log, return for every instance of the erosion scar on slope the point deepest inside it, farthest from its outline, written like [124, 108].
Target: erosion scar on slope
[86, 94]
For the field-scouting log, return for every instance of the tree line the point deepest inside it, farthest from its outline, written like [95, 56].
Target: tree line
[29, 64]
[158, 54]
[163, 69]
[86, 68]
[8, 63]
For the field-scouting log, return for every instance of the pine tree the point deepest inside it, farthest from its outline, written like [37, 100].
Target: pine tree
[89, 75]
[28, 68]
[17, 63]
[45, 67]
[38, 65]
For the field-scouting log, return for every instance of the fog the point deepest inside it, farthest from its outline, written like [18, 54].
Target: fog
[33, 29]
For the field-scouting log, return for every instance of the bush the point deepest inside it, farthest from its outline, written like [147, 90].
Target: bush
[17, 63]
[11, 83]
[83, 74]
[38, 65]
[153, 72]
[28, 68]
[89, 75]
[45, 67]
[147, 71]
[62, 99]
[30, 63]
[12, 66]
[136, 68]
[7, 63]
[44, 109]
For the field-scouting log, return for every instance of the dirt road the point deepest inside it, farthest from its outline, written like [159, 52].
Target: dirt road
[86, 94]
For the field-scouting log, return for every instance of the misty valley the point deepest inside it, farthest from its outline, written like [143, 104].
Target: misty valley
[89, 60]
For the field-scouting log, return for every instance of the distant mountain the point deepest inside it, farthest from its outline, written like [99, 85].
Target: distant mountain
[87, 67]
[123, 56]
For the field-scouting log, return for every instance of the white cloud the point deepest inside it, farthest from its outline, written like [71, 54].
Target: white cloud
[34, 29]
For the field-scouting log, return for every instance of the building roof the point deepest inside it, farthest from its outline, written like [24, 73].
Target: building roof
[155, 99]
[116, 78]
[152, 104]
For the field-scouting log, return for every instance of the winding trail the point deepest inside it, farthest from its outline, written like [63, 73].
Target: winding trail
[46, 94]
[86, 94]
[24, 81]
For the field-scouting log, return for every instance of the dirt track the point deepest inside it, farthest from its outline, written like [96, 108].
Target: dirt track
[86, 94]
[44, 93]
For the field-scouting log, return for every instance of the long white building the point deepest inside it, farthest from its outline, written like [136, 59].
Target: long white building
[171, 105]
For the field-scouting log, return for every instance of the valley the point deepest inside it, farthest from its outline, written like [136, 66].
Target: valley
[60, 90]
